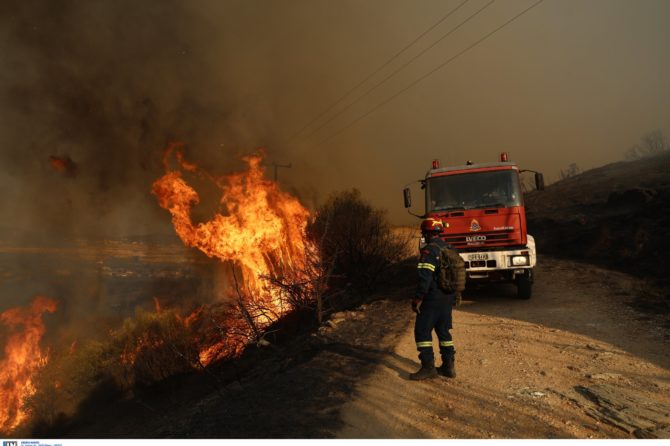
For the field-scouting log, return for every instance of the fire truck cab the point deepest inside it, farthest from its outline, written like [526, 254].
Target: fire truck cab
[484, 218]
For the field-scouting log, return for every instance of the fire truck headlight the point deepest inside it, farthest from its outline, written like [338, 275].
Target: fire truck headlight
[520, 260]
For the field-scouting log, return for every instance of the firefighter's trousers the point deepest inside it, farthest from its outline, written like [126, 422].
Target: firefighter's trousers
[434, 315]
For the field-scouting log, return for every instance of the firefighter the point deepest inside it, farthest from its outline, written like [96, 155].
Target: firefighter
[432, 307]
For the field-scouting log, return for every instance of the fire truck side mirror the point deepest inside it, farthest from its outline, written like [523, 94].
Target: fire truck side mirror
[408, 197]
[539, 181]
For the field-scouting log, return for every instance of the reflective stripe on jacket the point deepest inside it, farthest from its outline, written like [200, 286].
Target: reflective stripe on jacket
[428, 270]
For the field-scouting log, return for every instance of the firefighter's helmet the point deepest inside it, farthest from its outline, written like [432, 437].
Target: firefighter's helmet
[432, 225]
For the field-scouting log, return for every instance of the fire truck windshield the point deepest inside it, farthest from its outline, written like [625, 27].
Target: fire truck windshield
[498, 188]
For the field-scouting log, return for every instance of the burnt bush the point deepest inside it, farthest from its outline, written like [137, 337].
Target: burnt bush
[358, 238]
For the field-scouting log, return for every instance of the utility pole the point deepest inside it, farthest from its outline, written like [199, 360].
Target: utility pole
[276, 166]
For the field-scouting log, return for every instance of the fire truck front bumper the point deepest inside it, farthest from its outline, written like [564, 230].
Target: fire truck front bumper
[504, 265]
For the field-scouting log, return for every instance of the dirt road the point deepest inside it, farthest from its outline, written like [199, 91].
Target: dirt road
[575, 361]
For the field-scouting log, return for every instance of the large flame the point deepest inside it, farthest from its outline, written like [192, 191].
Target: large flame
[260, 229]
[22, 358]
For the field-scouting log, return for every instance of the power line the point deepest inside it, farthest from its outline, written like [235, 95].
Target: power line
[396, 71]
[371, 75]
[439, 67]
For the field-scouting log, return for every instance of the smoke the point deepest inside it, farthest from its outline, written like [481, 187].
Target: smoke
[105, 86]
[109, 84]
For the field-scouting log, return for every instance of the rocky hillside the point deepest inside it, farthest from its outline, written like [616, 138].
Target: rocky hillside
[617, 215]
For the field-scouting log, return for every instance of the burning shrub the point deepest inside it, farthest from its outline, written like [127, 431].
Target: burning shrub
[22, 358]
[259, 228]
[149, 347]
[305, 288]
[358, 237]
[258, 231]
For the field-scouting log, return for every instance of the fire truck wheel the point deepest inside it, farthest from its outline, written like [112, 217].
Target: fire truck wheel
[524, 287]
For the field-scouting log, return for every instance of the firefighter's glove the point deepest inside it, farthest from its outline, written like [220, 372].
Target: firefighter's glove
[415, 305]
[459, 299]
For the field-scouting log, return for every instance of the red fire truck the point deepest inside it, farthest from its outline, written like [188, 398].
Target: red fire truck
[482, 208]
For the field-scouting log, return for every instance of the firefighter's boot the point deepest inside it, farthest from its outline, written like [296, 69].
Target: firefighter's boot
[448, 368]
[426, 371]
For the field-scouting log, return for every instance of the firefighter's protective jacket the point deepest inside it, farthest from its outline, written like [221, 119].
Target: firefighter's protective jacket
[429, 269]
